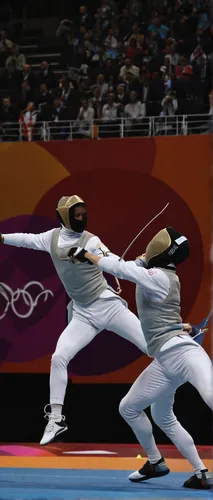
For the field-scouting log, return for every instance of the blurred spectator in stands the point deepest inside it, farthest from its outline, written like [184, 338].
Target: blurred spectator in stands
[51, 115]
[110, 71]
[97, 103]
[203, 18]
[68, 92]
[105, 9]
[110, 110]
[44, 96]
[135, 7]
[134, 35]
[133, 84]
[145, 94]
[5, 47]
[81, 58]
[8, 116]
[85, 117]
[172, 54]
[84, 88]
[166, 69]
[88, 45]
[153, 44]
[29, 76]
[103, 86]
[169, 104]
[99, 57]
[128, 68]
[122, 98]
[8, 113]
[111, 45]
[64, 32]
[184, 70]
[110, 114]
[46, 75]
[103, 16]
[26, 95]
[160, 28]
[134, 53]
[18, 60]
[156, 90]
[110, 41]
[135, 111]
[10, 78]
[85, 18]
[57, 109]
[198, 61]
[28, 118]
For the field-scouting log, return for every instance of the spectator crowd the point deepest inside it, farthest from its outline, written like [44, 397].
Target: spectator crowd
[121, 61]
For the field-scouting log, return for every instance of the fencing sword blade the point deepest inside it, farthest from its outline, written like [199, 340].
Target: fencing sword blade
[143, 229]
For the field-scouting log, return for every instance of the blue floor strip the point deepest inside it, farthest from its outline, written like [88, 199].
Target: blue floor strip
[75, 484]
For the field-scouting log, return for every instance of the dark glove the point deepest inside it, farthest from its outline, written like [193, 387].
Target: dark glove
[78, 255]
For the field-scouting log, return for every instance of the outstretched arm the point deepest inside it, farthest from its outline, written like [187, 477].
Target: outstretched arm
[153, 281]
[41, 241]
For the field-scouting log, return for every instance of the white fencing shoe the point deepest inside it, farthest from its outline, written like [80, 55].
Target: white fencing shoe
[53, 428]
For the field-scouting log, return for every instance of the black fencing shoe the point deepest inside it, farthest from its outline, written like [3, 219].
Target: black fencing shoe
[202, 481]
[150, 470]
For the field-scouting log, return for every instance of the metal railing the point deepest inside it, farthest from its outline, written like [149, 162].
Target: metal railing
[99, 129]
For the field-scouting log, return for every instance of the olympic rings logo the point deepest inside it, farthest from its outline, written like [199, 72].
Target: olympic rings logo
[11, 297]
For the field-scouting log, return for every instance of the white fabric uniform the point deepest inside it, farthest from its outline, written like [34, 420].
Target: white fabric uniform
[108, 312]
[178, 361]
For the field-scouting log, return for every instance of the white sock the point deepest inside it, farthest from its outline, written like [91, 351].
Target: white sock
[56, 411]
[152, 461]
[198, 471]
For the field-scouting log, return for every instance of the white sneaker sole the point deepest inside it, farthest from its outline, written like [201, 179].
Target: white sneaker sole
[55, 435]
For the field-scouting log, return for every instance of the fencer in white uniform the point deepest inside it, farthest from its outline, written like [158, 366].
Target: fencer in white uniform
[94, 305]
[177, 357]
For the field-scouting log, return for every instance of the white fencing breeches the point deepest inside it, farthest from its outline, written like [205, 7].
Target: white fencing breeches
[103, 314]
[156, 386]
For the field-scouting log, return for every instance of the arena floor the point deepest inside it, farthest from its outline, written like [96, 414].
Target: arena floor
[85, 471]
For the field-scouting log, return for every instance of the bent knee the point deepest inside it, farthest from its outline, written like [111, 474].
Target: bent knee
[127, 409]
[122, 408]
[59, 359]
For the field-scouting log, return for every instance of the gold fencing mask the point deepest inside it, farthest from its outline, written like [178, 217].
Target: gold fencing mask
[168, 246]
[66, 212]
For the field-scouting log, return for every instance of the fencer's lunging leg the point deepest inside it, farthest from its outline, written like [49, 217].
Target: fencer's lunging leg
[164, 417]
[148, 386]
[76, 335]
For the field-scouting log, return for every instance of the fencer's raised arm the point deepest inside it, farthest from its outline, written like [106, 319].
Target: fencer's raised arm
[167, 248]
[41, 241]
[153, 281]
